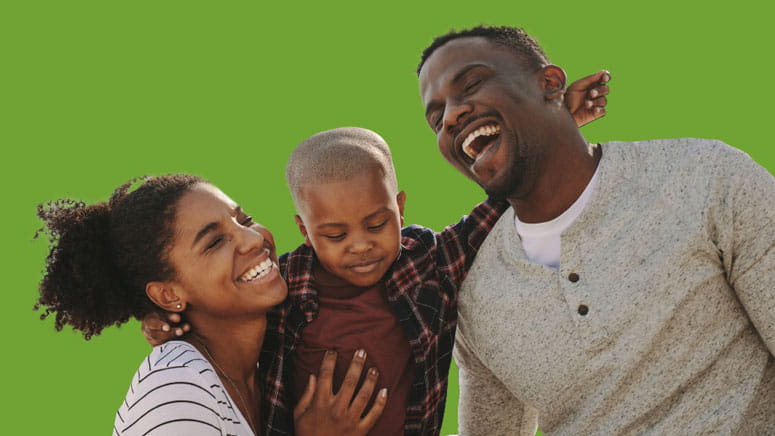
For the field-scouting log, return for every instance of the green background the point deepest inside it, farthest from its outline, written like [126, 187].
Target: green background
[95, 93]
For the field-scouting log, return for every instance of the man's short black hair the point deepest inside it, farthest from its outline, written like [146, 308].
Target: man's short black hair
[516, 39]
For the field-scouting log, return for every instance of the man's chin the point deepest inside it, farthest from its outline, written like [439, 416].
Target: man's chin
[500, 191]
[496, 194]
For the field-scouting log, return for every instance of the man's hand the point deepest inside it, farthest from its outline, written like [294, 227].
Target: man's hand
[585, 98]
[320, 412]
[157, 331]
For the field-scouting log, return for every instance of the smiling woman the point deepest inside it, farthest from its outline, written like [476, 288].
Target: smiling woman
[179, 244]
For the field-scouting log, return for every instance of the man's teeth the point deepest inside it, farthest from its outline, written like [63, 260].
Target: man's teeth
[489, 130]
[257, 271]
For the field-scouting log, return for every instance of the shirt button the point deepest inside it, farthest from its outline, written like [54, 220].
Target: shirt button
[583, 309]
[573, 277]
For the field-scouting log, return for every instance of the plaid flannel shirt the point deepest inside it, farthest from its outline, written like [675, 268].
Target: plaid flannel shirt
[422, 287]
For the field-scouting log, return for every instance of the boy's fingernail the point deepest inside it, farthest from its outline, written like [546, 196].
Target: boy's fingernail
[588, 103]
[383, 393]
[593, 93]
[360, 354]
[179, 332]
[165, 328]
[330, 353]
[373, 371]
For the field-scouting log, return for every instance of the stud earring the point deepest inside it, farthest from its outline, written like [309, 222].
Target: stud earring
[179, 306]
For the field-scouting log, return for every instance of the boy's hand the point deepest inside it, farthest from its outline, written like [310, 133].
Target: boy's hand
[158, 331]
[320, 412]
[585, 98]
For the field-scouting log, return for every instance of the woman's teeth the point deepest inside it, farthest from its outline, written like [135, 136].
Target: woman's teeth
[257, 271]
[488, 130]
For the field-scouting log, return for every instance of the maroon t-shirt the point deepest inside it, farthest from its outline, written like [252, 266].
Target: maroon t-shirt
[351, 318]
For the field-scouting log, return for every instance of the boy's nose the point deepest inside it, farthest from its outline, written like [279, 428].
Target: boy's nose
[361, 245]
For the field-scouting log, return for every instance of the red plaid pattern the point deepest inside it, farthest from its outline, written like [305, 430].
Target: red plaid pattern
[422, 289]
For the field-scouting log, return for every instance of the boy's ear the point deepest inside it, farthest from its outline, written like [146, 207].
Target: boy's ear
[303, 230]
[401, 199]
[553, 81]
[165, 296]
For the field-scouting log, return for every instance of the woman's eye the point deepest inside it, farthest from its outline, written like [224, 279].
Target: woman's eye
[247, 221]
[215, 242]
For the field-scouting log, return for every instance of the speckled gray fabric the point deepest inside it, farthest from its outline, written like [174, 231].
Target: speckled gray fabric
[674, 262]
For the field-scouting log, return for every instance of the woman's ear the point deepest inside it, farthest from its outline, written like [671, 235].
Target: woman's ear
[165, 296]
[553, 82]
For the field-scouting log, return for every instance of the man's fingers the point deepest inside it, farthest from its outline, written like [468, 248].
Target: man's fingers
[599, 102]
[598, 91]
[306, 398]
[364, 393]
[326, 374]
[370, 419]
[153, 322]
[589, 81]
[350, 382]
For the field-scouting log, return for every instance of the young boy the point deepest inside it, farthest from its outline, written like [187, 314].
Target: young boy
[360, 282]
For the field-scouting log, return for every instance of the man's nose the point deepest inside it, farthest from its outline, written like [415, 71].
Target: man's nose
[454, 112]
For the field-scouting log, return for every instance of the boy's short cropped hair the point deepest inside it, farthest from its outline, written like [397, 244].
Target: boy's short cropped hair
[337, 155]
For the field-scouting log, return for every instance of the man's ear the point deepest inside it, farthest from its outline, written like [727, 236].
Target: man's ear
[165, 296]
[401, 199]
[553, 81]
[303, 230]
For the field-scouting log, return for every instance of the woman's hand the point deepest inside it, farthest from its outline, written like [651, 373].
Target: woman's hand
[586, 97]
[157, 331]
[320, 412]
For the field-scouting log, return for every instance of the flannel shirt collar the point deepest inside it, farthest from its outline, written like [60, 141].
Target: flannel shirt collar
[300, 279]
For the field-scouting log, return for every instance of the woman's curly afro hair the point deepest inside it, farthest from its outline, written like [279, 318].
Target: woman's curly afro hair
[102, 255]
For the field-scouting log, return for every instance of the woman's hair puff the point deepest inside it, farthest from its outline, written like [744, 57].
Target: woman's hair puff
[101, 256]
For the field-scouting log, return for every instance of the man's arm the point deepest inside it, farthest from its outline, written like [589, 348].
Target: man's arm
[745, 223]
[459, 243]
[486, 407]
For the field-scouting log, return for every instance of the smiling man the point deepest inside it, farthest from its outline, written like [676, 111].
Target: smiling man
[630, 288]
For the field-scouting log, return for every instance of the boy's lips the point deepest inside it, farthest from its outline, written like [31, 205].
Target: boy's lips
[365, 266]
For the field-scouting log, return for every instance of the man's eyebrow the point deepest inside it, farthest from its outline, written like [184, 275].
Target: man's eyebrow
[205, 230]
[459, 75]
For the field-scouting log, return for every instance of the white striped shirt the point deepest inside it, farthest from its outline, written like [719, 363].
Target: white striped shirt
[177, 392]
